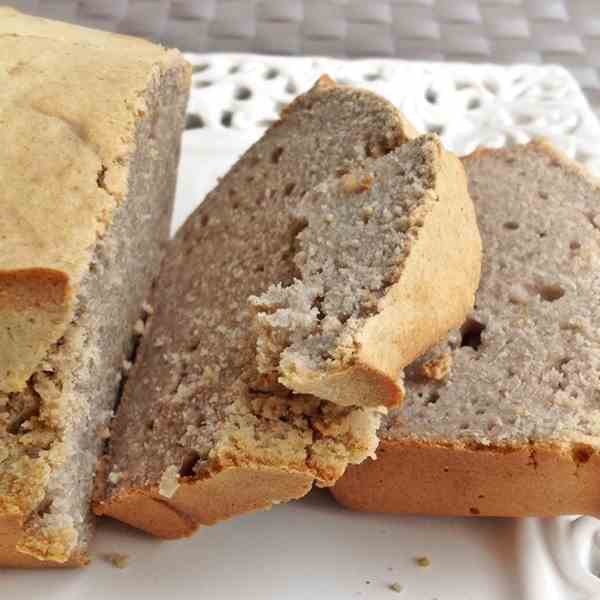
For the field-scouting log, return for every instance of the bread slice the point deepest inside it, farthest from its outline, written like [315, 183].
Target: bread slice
[388, 262]
[201, 435]
[504, 419]
[91, 125]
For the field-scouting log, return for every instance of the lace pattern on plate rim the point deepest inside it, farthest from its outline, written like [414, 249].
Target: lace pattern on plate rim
[467, 105]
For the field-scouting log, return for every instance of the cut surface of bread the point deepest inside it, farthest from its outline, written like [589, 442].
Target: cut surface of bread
[388, 262]
[87, 199]
[504, 418]
[201, 435]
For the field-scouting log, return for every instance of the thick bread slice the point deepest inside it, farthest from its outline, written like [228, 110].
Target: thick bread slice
[200, 434]
[48, 121]
[505, 418]
[389, 261]
[91, 125]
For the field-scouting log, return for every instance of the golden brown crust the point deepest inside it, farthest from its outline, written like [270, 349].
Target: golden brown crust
[426, 303]
[232, 491]
[441, 479]
[360, 385]
[29, 288]
[77, 109]
[91, 124]
[11, 531]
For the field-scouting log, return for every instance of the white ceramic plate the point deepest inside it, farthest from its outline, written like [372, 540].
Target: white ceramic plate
[314, 549]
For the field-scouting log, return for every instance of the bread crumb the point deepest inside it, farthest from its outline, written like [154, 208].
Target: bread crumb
[160, 341]
[139, 327]
[117, 560]
[127, 364]
[115, 476]
[518, 295]
[437, 368]
[148, 308]
[210, 375]
[422, 561]
[169, 482]
[352, 184]
[396, 587]
[103, 432]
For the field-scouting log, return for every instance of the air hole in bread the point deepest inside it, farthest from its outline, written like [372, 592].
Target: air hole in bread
[150, 425]
[464, 425]
[272, 73]
[512, 225]
[433, 397]
[574, 245]
[553, 292]
[226, 118]
[542, 234]
[471, 333]
[289, 188]
[431, 96]
[15, 425]
[259, 269]
[44, 507]
[276, 155]
[243, 93]
[204, 220]
[188, 464]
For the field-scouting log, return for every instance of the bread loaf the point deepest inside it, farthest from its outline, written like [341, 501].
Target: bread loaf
[91, 125]
[504, 418]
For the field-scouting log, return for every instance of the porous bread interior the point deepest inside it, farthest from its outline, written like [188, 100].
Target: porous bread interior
[51, 434]
[358, 230]
[195, 387]
[525, 367]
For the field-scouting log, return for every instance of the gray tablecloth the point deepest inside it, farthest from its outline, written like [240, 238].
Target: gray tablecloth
[506, 31]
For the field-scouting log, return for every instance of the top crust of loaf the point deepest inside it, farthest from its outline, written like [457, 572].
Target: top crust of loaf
[390, 260]
[70, 101]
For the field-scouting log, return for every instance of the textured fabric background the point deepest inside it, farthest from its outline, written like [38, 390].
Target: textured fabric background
[505, 31]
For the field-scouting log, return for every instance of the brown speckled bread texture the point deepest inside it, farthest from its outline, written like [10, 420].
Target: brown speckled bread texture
[82, 114]
[201, 434]
[381, 246]
[513, 427]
